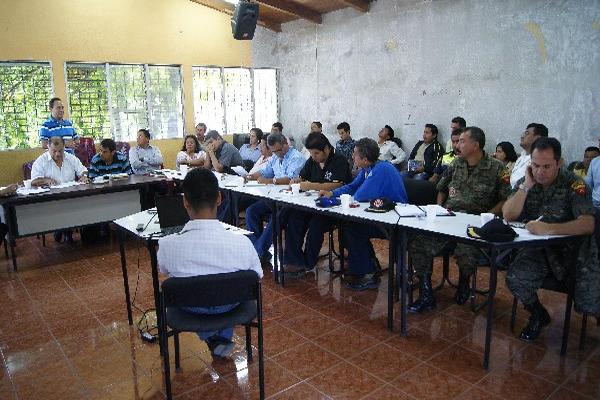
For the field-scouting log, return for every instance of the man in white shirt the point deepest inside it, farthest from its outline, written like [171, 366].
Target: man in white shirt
[531, 134]
[204, 247]
[56, 166]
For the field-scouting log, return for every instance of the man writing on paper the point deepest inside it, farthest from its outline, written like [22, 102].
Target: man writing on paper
[555, 202]
[474, 183]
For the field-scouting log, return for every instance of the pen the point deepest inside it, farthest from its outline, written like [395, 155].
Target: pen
[539, 218]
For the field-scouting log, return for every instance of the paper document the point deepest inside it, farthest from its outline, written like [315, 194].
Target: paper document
[439, 210]
[409, 210]
[24, 191]
[239, 170]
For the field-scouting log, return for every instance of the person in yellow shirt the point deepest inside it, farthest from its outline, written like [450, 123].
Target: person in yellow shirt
[448, 157]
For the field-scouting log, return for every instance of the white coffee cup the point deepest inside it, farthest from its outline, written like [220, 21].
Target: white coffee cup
[346, 200]
[431, 213]
[240, 181]
[183, 168]
[486, 217]
[295, 188]
[27, 183]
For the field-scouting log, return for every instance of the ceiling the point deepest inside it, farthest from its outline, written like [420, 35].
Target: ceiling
[273, 13]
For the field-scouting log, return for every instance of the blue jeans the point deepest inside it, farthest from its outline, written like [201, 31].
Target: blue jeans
[300, 224]
[262, 238]
[226, 333]
[356, 240]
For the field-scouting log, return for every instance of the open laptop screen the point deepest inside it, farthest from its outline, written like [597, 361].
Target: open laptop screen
[170, 211]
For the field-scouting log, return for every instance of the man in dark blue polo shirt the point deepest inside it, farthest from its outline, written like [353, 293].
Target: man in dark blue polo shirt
[109, 161]
[55, 125]
[324, 170]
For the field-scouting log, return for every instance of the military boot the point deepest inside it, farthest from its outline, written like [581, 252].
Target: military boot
[426, 300]
[539, 318]
[463, 291]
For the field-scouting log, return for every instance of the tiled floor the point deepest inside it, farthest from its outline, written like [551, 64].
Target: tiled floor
[64, 335]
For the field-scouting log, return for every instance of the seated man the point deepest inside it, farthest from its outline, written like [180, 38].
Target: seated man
[109, 161]
[144, 158]
[205, 247]
[530, 135]
[282, 167]
[375, 179]
[448, 157]
[425, 155]
[580, 168]
[324, 170]
[54, 167]
[474, 183]
[56, 125]
[222, 155]
[555, 202]
[345, 146]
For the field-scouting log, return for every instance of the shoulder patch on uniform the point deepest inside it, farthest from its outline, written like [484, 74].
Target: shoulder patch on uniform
[579, 187]
[505, 175]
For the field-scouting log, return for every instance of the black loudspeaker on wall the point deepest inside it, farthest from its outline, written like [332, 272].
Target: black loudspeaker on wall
[243, 21]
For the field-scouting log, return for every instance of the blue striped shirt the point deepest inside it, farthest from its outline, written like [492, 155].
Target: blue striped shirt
[119, 165]
[62, 128]
[289, 166]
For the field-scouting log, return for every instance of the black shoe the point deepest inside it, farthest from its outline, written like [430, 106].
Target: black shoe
[68, 237]
[266, 258]
[58, 236]
[463, 291]
[426, 300]
[539, 319]
[370, 281]
[219, 346]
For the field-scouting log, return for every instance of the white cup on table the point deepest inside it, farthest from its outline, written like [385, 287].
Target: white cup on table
[346, 200]
[183, 168]
[27, 183]
[295, 189]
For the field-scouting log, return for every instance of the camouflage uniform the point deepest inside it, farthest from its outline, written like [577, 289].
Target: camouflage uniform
[474, 192]
[565, 200]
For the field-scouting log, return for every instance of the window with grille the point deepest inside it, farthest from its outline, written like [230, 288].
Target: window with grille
[208, 98]
[117, 100]
[234, 100]
[88, 100]
[25, 89]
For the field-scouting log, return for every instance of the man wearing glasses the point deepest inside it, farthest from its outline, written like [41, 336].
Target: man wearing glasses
[531, 134]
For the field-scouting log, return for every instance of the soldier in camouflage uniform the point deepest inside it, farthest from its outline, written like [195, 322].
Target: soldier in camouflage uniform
[474, 183]
[555, 201]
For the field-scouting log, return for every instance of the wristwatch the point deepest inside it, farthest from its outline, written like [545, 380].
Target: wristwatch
[524, 188]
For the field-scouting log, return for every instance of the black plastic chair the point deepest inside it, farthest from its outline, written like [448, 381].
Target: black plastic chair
[241, 287]
[567, 287]
[420, 192]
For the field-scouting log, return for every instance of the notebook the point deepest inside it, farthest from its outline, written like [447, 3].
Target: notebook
[172, 216]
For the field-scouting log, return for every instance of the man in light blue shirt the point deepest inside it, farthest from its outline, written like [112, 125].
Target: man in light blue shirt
[593, 181]
[144, 158]
[283, 166]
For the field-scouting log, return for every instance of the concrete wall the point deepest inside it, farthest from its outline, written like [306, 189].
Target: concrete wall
[499, 64]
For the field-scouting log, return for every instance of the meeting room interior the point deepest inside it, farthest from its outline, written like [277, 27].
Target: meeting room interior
[300, 199]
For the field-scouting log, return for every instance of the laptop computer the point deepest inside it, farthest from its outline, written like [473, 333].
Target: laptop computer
[172, 215]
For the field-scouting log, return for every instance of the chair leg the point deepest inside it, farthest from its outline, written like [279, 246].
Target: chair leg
[166, 363]
[5, 242]
[341, 247]
[248, 343]
[566, 326]
[513, 314]
[176, 342]
[330, 254]
[43, 240]
[583, 333]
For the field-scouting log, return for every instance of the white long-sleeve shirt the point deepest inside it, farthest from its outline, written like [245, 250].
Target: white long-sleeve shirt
[151, 156]
[389, 151]
[519, 168]
[205, 247]
[45, 167]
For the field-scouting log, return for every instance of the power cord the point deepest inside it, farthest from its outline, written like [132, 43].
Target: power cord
[146, 324]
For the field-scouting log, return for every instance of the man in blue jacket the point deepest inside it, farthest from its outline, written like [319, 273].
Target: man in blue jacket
[375, 179]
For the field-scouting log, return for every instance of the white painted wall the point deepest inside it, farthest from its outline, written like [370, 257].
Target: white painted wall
[498, 63]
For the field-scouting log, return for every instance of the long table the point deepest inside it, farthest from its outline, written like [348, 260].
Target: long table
[397, 229]
[72, 207]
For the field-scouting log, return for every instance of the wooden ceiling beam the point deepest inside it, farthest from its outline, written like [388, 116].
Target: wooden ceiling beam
[359, 5]
[228, 9]
[295, 9]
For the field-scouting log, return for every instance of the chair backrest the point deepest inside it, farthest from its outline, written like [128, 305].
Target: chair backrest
[86, 150]
[211, 290]
[123, 147]
[420, 192]
[239, 139]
